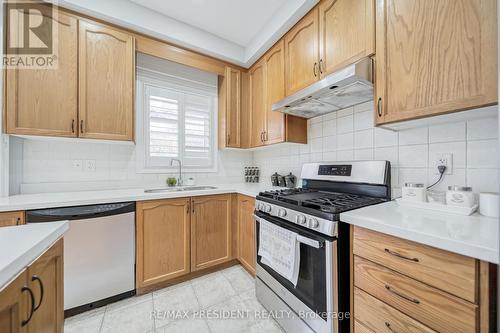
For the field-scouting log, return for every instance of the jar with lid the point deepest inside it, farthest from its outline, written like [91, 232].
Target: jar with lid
[460, 196]
[414, 192]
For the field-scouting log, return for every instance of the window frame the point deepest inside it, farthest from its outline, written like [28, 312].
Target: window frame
[148, 77]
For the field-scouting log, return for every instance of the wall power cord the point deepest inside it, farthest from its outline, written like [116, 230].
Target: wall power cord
[441, 169]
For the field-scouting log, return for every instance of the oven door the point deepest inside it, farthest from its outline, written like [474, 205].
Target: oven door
[316, 282]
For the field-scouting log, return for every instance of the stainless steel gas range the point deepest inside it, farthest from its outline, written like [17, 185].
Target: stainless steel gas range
[320, 301]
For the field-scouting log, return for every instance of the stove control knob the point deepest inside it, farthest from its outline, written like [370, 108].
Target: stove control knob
[282, 212]
[259, 206]
[301, 219]
[267, 208]
[313, 223]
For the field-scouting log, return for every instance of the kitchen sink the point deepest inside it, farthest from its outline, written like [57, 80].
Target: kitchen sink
[180, 189]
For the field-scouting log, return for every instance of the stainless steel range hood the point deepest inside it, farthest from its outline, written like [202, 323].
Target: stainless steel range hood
[347, 87]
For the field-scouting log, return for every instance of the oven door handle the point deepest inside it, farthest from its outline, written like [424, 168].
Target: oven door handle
[311, 242]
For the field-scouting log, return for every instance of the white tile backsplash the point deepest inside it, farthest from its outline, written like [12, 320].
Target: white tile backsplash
[414, 136]
[447, 132]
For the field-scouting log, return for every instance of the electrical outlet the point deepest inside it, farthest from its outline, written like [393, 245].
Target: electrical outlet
[443, 159]
[77, 165]
[90, 165]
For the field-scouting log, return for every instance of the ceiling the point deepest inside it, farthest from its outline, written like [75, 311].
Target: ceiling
[238, 21]
[238, 31]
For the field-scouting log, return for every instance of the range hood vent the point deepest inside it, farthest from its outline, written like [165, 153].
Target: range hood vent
[347, 87]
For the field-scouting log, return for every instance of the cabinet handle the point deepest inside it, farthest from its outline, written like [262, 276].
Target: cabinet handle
[193, 207]
[228, 138]
[321, 66]
[37, 278]
[266, 136]
[390, 328]
[397, 293]
[262, 137]
[392, 253]
[32, 297]
[73, 126]
[315, 70]
[188, 207]
[379, 106]
[81, 126]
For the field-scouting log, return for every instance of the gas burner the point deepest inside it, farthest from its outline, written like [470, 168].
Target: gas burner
[336, 203]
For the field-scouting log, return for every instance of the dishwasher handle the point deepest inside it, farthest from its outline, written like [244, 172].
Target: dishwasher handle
[79, 212]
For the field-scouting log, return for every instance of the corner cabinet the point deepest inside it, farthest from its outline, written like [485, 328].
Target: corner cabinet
[210, 231]
[33, 301]
[106, 82]
[162, 240]
[346, 33]
[247, 252]
[434, 57]
[45, 101]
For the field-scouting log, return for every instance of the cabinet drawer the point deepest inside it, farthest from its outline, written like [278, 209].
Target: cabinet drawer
[432, 307]
[360, 328]
[376, 316]
[447, 271]
[8, 219]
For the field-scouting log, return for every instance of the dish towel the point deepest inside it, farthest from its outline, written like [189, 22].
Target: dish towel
[280, 250]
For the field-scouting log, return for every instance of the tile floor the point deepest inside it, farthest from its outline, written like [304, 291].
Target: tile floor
[230, 292]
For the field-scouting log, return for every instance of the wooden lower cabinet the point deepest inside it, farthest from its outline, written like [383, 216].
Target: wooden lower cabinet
[210, 231]
[8, 219]
[246, 233]
[162, 240]
[42, 284]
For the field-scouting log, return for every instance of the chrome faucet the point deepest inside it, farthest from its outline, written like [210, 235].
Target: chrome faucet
[179, 179]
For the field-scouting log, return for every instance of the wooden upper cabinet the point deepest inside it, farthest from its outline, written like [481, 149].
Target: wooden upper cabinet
[8, 219]
[210, 231]
[346, 33]
[106, 82]
[14, 307]
[246, 233]
[275, 91]
[257, 104]
[302, 53]
[233, 107]
[162, 240]
[434, 57]
[45, 279]
[44, 101]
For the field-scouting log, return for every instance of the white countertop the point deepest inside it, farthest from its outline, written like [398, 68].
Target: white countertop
[21, 245]
[65, 199]
[474, 236]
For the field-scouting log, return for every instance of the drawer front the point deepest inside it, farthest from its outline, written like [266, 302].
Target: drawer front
[360, 328]
[377, 316]
[430, 306]
[447, 271]
[8, 219]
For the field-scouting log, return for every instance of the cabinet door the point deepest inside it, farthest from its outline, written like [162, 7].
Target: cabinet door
[162, 240]
[106, 82]
[210, 231]
[8, 219]
[275, 91]
[246, 233]
[346, 33]
[302, 53]
[45, 279]
[14, 308]
[233, 107]
[434, 57]
[44, 101]
[257, 104]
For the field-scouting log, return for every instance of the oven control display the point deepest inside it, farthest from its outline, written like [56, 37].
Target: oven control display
[335, 170]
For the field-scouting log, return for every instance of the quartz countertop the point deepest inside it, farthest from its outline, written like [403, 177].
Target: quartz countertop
[474, 236]
[21, 245]
[66, 199]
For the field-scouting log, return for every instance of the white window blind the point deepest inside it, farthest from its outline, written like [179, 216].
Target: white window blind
[178, 121]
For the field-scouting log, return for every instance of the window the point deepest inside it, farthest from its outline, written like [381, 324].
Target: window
[176, 119]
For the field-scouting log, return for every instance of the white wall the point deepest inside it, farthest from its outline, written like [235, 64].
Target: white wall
[47, 166]
[350, 135]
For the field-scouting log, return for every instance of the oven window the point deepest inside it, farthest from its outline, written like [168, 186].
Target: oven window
[311, 285]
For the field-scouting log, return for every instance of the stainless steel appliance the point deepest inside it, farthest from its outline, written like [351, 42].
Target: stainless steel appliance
[320, 302]
[99, 253]
[347, 87]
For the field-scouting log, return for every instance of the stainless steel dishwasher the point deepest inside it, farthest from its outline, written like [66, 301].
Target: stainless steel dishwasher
[99, 253]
